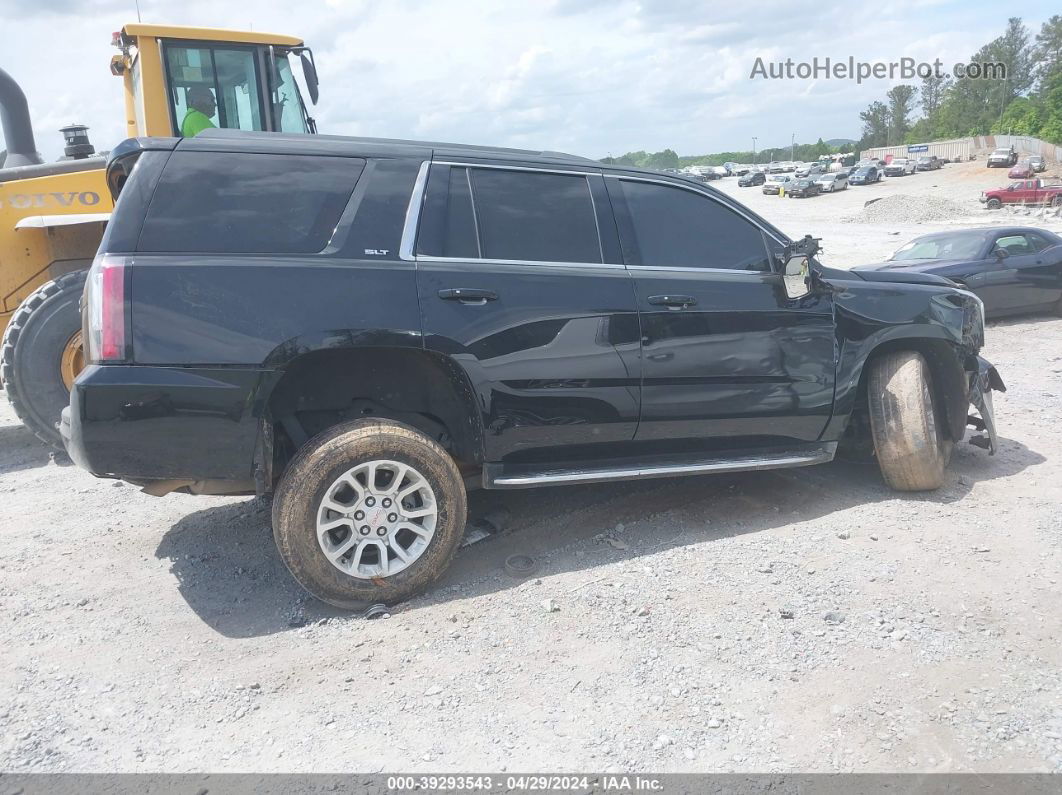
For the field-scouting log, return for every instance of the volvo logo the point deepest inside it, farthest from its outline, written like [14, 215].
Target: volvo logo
[87, 198]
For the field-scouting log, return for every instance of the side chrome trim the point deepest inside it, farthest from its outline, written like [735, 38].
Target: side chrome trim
[746, 463]
[472, 261]
[416, 199]
[502, 167]
[705, 271]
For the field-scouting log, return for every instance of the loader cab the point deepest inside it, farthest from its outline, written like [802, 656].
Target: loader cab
[250, 77]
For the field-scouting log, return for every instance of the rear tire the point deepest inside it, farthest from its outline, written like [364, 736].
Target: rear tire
[31, 355]
[908, 436]
[371, 453]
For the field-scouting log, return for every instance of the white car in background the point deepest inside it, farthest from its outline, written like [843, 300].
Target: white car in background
[833, 181]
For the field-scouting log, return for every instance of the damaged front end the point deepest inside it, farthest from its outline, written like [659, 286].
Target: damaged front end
[982, 382]
[982, 376]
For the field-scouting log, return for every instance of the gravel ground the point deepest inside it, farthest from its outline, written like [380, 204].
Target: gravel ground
[799, 620]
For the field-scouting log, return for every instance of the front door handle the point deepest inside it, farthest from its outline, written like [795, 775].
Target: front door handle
[673, 301]
[468, 295]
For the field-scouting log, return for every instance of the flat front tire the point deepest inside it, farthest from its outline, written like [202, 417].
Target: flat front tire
[909, 439]
[369, 511]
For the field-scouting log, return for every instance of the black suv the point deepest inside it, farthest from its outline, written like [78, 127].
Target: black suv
[365, 327]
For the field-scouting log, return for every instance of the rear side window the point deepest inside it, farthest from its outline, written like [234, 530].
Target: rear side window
[527, 215]
[215, 202]
[678, 228]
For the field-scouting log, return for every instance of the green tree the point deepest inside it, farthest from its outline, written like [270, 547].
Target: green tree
[1047, 53]
[901, 99]
[875, 125]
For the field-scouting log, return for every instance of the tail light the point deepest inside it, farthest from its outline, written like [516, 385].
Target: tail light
[106, 329]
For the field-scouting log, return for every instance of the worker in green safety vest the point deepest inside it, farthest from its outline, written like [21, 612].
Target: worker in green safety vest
[201, 106]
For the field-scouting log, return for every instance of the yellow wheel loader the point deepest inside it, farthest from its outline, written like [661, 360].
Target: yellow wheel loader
[177, 80]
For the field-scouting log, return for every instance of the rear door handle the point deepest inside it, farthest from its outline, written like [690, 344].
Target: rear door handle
[468, 295]
[673, 301]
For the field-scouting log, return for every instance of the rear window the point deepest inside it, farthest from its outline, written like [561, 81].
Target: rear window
[216, 202]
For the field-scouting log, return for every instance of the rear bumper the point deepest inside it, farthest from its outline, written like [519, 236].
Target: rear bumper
[146, 423]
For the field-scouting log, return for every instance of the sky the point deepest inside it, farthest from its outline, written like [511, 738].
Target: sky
[590, 77]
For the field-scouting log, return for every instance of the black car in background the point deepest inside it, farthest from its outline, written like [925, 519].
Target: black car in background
[1011, 269]
[803, 188]
[865, 175]
[752, 178]
[928, 163]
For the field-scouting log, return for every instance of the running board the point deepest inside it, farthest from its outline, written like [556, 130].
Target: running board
[500, 476]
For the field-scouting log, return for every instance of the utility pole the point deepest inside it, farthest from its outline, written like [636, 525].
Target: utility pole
[754, 150]
[792, 146]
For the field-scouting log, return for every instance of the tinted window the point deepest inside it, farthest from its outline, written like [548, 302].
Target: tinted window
[679, 228]
[253, 204]
[1015, 244]
[527, 215]
[447, 225]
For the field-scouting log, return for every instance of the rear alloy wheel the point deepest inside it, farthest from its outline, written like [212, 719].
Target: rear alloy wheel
[1057, 201]
[42, 353]
[908, 438]
[369, 511]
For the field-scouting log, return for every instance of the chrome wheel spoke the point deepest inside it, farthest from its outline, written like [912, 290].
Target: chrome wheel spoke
[417, 513]
[423, 532]
[343, 521]
[342, 549]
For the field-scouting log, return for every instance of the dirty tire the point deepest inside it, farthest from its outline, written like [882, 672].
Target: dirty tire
[993, 204]
[32, 350]
[1056, 201]
[314, 469]
[908, 436]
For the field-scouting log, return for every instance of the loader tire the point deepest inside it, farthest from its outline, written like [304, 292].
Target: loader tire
[908, 436]
[44, 328]
[349, 497]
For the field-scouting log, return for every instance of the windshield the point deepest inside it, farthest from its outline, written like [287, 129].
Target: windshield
[956, 246]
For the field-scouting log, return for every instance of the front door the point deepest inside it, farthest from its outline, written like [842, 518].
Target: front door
[519, 287]
[728, 359]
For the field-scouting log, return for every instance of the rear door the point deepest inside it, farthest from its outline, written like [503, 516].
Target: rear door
[521, 282]
[727, 356]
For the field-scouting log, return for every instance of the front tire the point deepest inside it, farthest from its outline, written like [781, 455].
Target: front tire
[369, 511]
[908, 438]
[993, 204]
[39, 354]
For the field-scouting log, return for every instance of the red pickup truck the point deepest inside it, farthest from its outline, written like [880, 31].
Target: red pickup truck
[1024, 191]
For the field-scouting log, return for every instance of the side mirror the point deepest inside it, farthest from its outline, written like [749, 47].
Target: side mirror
[797, 276]
[1001, 254]
[309, 75]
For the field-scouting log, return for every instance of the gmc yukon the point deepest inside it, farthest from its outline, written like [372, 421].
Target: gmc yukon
[364, 328]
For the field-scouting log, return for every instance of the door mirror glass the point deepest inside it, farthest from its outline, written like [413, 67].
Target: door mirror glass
[797, 277]
[309, 75]
[1001, 253]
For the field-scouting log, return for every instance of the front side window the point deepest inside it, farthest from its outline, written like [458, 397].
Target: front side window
[214, 202]
[1016, 244]
[213, 87]
[679, 228]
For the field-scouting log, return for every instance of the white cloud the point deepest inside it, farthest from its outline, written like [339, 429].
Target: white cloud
[590, 77]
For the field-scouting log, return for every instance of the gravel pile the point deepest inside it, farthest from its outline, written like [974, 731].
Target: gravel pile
[905, 209]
